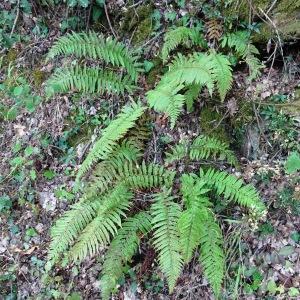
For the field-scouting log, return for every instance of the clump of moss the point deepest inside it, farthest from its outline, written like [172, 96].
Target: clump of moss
[38, 77]
[140, 20]
[212, 125]
[10, 57]
[155, 71]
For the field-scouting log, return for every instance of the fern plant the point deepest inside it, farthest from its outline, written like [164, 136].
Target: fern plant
[197, 70]
[176, 224]
[93, 79]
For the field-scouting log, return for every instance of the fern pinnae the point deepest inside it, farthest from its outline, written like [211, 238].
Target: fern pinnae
[180, 35]
[165, 213]
[90, 45]
[192, 219]
[232, 188]
[89, 80]
[110, 135]
[105, 225]
[121, 250]
[69, 226]
[222, 72]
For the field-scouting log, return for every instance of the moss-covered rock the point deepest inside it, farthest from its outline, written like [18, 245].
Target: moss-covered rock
[285, 15]
[139, 20]
[154, 73]
[38, 77]
[211, 124]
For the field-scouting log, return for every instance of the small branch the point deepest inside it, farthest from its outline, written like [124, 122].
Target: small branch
[109, 23]
[16, 19]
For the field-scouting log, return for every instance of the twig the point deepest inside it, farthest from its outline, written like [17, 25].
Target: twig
[89, 16]
[109, 23]
[273, 60]
[16, 19]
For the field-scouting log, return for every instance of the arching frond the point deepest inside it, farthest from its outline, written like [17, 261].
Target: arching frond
[232, 188]
[202, 147]
[164, 98]
[91, 45]
[222, 72]
[212, 255]
[191, 220]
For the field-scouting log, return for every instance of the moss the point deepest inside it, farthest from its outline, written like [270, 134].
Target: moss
[10, 57]
[285, 14]
[212, 125]
[155, 71]
[38, 77]
[140, 21]
[244, 116]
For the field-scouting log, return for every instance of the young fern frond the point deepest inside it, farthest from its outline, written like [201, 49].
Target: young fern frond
[212, 256]
[121, 250]
[90, 45]
[164, 98]
[191, 220]
[105, 225]
[110, 135]
[222, 72]
[180, 36]
[88, 80]
[202, 147]
[232, 188]
[165, 213]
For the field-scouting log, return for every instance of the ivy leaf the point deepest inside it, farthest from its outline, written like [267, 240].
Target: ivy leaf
[292, 164]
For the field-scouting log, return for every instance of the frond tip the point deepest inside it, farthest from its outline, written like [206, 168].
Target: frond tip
[110, 135]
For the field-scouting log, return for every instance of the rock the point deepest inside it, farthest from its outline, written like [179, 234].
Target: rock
[47, 201]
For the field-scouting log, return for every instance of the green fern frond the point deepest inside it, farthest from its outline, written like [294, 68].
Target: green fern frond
[232, 188]
[254, 64]
[105, 225]
[222, 72]
[121, 250]
[202, 147]
[180, 36]
[191, 220]
[110, 135]
[192, 69]
[165, 213]
[90, 45]
[69, 226]
[164, 98]
[88, 80]
[212, 256]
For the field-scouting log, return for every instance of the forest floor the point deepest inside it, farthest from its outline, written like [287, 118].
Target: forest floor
[41, 150]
